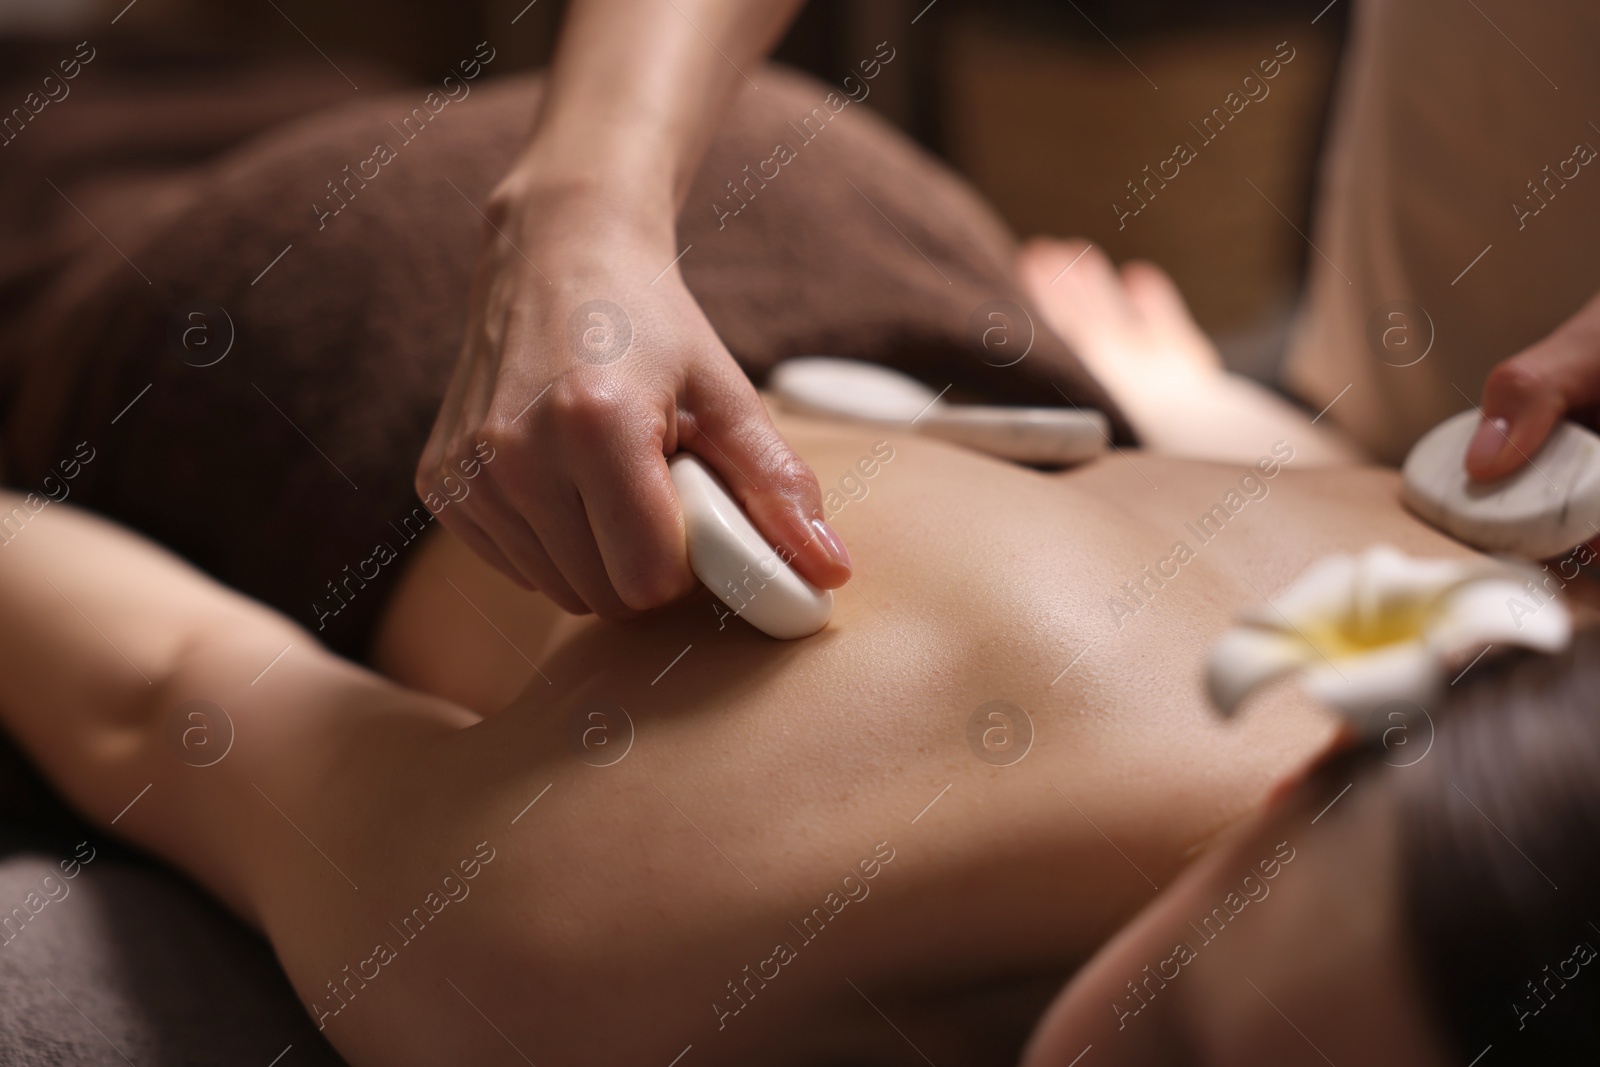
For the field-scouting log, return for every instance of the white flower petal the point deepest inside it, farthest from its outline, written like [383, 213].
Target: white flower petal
[1380, 627]
[1498, 611]
[1393, 589]
[1321, 592]
[1246, 657]
[1358, 685]
[1391, 576]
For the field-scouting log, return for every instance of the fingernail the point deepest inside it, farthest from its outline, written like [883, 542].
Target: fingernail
[1487, 443]
[831, 542]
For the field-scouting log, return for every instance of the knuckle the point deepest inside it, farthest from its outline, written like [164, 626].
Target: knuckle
[786, 471]
[499, 435]
[430, 474]
[422, 478]
[504, 444]
[591, 408]
[440, 472]
[1516, 378]
[497, 210]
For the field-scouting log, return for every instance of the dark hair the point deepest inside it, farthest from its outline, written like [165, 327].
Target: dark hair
[1500, 858]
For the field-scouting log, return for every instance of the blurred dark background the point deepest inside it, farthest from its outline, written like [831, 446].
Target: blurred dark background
[1049, 108]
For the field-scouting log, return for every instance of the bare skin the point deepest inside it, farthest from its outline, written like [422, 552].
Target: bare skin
[1130, 327]
[510, 879]
[635, 90]
[1283, 946]
[630, 891]
[1526, 395]
[580, 250]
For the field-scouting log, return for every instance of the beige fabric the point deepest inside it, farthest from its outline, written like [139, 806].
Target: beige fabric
[1448, 109]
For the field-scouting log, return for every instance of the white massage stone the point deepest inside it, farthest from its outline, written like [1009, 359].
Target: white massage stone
[865, 392]
[736, 563]
[1540, 511]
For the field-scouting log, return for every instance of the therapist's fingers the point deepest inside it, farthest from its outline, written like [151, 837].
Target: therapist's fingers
[536, 484]
[1523, 399]
[621, 475]
[523, 548]
[557, 514]
[728, 427]
[465, 517]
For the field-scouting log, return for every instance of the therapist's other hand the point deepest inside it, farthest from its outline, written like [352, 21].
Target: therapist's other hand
[1525, 396]
[586, 363]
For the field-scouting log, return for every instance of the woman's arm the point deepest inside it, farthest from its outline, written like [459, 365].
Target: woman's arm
[586, 360]
[95, 626]
[636, 90]
[172, 711]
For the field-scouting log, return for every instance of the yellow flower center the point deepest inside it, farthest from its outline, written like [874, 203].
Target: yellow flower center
[1350, 636]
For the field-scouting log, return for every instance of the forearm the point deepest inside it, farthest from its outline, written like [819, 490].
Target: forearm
[583, 227]
[638, 87]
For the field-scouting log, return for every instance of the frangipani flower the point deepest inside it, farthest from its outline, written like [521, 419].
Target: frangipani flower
[1365, 630]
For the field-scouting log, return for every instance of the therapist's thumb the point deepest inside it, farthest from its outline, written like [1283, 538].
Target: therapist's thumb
[776, 488]
[1523, 399]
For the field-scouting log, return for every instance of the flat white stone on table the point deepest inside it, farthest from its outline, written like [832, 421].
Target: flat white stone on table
[1542, 510]
[865, 392]
[735, 562]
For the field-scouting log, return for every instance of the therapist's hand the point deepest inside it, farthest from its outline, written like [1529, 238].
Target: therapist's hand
[577, 501]
[1527, 395]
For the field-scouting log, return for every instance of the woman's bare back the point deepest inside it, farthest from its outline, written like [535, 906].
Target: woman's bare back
[1001, 739]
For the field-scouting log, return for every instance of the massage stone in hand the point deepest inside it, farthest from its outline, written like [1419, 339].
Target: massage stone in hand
[735, 562]
[1545, 508]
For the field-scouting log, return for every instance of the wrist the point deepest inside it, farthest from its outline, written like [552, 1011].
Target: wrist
[631, 152]
[596, 192]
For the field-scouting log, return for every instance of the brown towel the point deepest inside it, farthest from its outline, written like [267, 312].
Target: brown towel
[285, 469]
